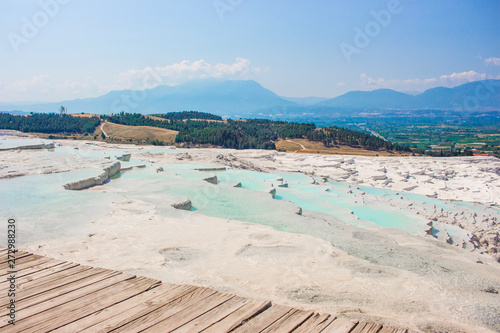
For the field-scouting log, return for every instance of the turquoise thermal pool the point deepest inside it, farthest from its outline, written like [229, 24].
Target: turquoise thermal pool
[41, 201]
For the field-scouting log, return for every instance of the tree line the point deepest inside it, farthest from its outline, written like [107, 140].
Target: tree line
[256, 133]
[238, 134]
[49, 123]
[188, 115]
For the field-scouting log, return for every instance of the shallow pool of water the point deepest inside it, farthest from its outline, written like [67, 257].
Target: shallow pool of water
[40, 199]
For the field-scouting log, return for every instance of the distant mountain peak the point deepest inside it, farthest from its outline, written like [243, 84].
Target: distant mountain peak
[227, 97]
[478, 95]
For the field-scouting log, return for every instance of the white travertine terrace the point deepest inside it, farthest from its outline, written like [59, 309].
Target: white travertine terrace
[108, 171]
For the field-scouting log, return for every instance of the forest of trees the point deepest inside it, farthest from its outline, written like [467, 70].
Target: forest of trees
[238, 134]
[49, 123]
[188, 115]
[255, 133]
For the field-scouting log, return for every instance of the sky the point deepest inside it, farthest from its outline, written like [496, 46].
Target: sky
[54, 50]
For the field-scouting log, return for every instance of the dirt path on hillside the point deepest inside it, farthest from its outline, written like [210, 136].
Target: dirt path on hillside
[300, 144]
[102, 129]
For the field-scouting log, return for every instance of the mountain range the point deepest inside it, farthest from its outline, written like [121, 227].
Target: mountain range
[247, 98]
[474, 96]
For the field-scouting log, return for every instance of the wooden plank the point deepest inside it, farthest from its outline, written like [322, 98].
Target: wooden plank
[43, 270]
[32, 272]
[32, 279]
[30, 306]
[62, 277]
[340, 325]
[392, 329]
[19, 257]
[192, 312]
[4, 256]
[315, 324]
[130, 309]
[27, 270]
[51, 289]
[264, 319]
[21, 266]
[164, 312]
[365, 327]
[129, 316]
[41, 308]
[213, 316]
[35, 263]
[236, 318]
[23, 260]
[289, 322]
[76, 309]
[71, 292]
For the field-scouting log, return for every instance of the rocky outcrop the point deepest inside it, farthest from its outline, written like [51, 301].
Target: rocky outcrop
[184, 205]
[37, 146]
[211, 169]
[272, 192]
[482, 227]
[299, 211]
[238, 184]
[108, 172]
[124, 157]
[211, 180]
[283, 185]
[184, 156]
[408, 189]
[235, 163]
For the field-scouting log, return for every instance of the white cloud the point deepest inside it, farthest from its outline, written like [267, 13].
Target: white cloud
[46, 88]
[183, 71]
[420, 81]
[462, 77]
[40, 83]
[492, 60]
[450, 80]
[369, 81]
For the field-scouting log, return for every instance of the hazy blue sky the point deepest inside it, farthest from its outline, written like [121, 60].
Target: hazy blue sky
[52, 50]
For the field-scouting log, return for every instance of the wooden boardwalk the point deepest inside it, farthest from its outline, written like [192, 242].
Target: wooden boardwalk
[59, 296]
